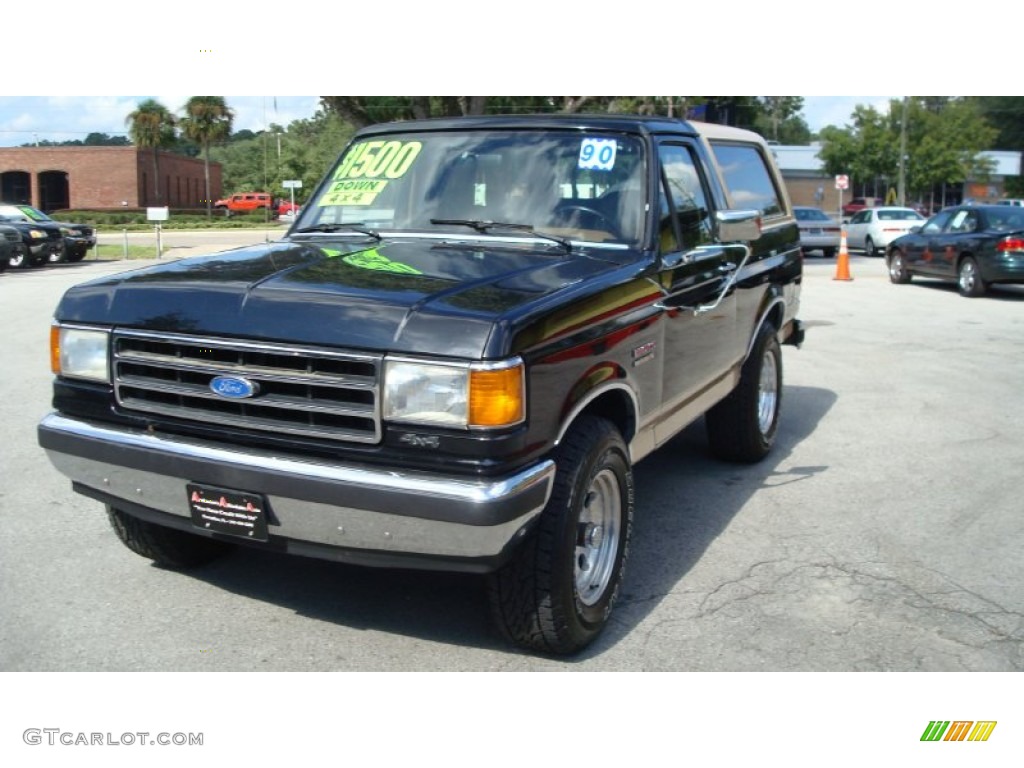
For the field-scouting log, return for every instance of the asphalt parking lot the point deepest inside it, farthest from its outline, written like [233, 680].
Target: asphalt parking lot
[883, 534]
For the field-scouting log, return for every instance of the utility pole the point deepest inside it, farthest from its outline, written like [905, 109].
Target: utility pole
[901, 183]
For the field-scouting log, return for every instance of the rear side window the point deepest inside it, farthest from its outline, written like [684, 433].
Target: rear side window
[748, 179]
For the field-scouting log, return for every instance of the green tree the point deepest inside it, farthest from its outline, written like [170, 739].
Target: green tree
[945, 141]
[945, 138]
[207, 120]
[360, 111]
[780, 120]
[1006, 115]
[151, 126]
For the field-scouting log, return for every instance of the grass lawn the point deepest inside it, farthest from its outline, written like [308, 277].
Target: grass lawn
[105, 252]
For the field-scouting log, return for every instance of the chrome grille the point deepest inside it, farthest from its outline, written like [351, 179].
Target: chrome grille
[300, 390]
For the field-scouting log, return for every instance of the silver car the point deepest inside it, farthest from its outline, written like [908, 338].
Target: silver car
[873, 229]
[818, 231]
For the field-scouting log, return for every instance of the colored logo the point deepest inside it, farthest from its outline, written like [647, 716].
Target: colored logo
[233, 387]
[959, 730]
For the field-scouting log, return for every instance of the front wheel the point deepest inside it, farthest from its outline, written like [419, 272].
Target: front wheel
[898, 272]
[742, 427]
[557, 593]
[168, 547]
[24, 259]
[969, 279]
[869, 248]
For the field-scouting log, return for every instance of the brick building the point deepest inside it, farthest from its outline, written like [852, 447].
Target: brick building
[56, 178]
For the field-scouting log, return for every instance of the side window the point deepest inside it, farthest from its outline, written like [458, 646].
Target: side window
[861, 218]
[748, 179]
[935, 224]
[684, 218]
[965, 221]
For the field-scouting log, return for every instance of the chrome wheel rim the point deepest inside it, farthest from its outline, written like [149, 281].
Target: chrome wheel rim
[968, 276]
[597, 537]
[767, 393]
[896, 267]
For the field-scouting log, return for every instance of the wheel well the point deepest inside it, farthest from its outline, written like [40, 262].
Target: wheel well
[616, 406]
[960, 259]
[776, 315]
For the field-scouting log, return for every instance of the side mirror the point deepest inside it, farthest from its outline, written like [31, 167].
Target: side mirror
[916, 229]
[738, 226]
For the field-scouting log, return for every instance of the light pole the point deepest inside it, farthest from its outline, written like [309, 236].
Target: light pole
[901, 183]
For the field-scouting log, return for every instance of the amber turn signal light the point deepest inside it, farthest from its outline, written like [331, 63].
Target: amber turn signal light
[496, 397]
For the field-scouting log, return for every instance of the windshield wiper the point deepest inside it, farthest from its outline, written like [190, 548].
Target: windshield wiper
[481, 225]
[354, 227]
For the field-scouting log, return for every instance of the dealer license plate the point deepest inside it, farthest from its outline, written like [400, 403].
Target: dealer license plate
[235, 513]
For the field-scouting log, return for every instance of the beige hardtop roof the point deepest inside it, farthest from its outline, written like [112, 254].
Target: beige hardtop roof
[726, 132]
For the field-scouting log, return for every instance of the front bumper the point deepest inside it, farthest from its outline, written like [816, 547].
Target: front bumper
[43, 249]
[337, 511]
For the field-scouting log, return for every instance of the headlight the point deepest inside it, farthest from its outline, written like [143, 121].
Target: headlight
[80, 353]
[37, 234]
[473, 395]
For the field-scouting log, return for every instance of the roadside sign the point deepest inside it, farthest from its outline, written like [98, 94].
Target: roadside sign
[842, 181]
[157, 214]
[292, 183]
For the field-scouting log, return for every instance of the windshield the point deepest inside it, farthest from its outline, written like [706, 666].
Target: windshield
[580, 186]
[810, 214]
[16, 213]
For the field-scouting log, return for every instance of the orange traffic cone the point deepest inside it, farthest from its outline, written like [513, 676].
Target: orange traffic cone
[843, 260]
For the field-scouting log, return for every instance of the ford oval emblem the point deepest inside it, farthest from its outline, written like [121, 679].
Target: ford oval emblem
[234, 387]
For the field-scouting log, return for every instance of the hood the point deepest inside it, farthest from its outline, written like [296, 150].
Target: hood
[81, 229]
[414, 296]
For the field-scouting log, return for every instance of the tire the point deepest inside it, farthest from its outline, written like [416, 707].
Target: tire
[556, 594]
[898, 272]
[58, 257]
[168, 547]
[742, 427]
[24, 260]
[73, 256]
[968, 279]
[869, 247]
[828, 253]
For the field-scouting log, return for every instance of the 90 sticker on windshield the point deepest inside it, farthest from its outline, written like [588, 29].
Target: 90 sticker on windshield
[366, 170]
[597, 154]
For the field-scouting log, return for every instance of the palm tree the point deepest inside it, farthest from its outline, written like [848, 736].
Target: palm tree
[152, 127]
[207, 119]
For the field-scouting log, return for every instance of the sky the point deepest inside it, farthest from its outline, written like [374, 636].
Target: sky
[26, 119]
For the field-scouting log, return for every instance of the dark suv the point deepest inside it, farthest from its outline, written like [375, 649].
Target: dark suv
[469, 336]
[41, 241]
[78, 238]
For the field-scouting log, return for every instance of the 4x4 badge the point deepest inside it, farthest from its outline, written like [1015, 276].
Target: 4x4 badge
[234, 387]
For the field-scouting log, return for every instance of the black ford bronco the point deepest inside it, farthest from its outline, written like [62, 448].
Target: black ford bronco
[451, 361]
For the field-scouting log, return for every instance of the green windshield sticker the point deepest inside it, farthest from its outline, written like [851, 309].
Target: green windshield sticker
[352, 192]
[376, 159]
[373, 259]
[30, 212]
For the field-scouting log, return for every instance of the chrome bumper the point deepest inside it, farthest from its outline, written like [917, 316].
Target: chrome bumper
[333, 505]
